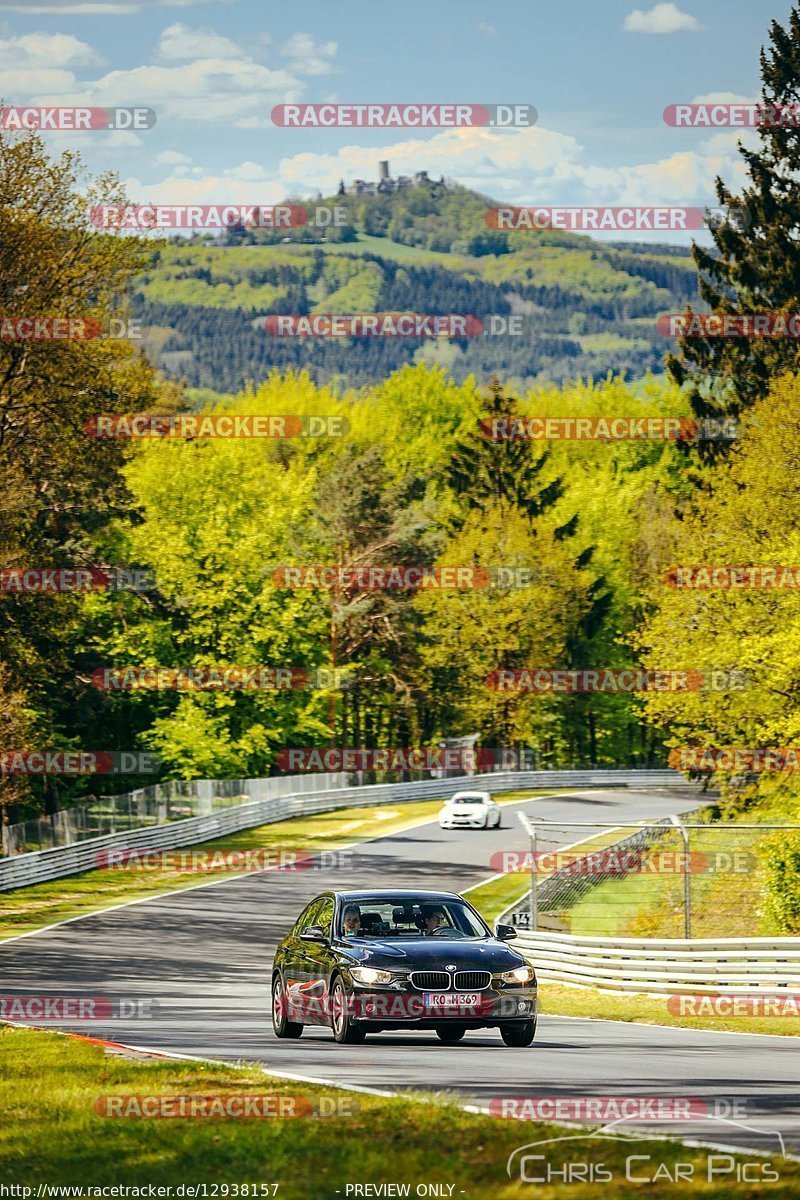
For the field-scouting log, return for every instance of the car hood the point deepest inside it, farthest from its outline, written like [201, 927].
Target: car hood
[431, 954]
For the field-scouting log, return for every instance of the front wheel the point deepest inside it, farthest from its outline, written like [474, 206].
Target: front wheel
[283, 1027]
[518, 1033]
[450, 1033]
[345, 1029]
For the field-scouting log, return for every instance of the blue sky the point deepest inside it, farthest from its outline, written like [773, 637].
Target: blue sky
[599, 73]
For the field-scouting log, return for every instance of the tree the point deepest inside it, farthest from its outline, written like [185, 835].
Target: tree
[501, 517]
[59, 488]
[750, 516]
[755, 264]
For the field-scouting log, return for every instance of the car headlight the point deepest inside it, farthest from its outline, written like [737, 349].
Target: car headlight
[518, 975]
[371, 975]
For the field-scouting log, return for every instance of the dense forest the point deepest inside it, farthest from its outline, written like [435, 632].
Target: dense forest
[587, 309]
[590, 532]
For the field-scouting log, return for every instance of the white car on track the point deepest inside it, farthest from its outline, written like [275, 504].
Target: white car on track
[469, 810]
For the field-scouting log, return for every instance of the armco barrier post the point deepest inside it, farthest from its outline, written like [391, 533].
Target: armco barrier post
[534, 899]
[687, 879]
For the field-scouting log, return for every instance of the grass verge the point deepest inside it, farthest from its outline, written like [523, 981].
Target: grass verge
[562, 1001]
[52, 1133]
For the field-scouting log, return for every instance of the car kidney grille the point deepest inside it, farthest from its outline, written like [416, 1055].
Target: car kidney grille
[472, 981]
[462, 981]
[430, 980]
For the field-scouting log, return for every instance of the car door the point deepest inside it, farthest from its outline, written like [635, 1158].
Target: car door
[297, 968]
[319, 956]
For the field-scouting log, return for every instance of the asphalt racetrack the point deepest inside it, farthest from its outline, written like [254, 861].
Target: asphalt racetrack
[205, 956]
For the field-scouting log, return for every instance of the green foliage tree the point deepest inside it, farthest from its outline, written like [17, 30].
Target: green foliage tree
[59, 488]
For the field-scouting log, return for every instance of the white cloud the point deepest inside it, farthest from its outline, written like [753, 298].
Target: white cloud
[41, 62]
[49, 50]
[520, 166]
[29, 83]
[223, 90]
[179, 43]
[173, 158]
[235, 185]
[525, 166]
[307, 57]
[724, 98]
[489, 30]
[218, 81]
[661, 18]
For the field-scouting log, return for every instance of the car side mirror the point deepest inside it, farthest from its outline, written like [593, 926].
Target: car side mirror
[505, 933]
[314, 933]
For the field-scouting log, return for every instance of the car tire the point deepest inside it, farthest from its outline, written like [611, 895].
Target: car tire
[518, 1033]
[345, 1030]
[450, 1033]
[498, 822]
[282, 1027]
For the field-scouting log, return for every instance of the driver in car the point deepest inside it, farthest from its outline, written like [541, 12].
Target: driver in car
[434, 919]
[351, 921]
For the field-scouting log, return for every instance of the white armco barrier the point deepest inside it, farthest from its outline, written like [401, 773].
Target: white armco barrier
[667, 966]
[266, 800]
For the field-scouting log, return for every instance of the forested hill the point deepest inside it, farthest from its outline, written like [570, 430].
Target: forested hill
[588, 307]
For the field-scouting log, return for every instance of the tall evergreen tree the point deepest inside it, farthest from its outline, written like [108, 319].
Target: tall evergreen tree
[485, 471]
[755, 264]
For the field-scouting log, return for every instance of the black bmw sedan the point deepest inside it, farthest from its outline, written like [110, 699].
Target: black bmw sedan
[362, 962]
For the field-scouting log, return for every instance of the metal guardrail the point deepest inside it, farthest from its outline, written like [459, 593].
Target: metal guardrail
[156, 804]
[764, 966]
[263, 806]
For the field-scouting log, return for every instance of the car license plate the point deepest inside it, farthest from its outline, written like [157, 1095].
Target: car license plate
[451, 999]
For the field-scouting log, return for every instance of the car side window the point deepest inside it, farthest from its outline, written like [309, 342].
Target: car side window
[306, 918]
[324, 916]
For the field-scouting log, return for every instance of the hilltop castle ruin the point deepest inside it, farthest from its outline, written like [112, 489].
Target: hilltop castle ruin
[386, 184]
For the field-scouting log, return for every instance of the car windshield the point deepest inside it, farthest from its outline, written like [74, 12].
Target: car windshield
[401, 917]
[467, 800]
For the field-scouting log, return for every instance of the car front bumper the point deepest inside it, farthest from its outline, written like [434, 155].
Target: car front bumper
[392, 1008]
[464, 822]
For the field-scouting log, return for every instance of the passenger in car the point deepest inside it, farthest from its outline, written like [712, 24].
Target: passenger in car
[351, 921]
